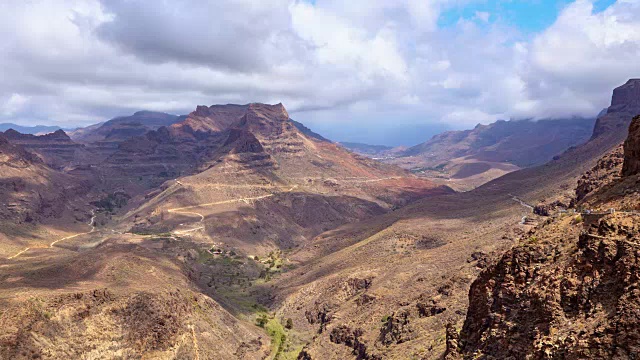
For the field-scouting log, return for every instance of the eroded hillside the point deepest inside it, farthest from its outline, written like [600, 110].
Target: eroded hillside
[180, 231]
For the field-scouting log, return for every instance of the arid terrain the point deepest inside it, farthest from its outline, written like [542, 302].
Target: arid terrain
[162, 243]
[236, 233]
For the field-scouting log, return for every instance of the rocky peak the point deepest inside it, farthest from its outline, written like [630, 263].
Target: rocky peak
[625, 104]
[631, 165]
[276, 111]
[267, 120]
[626, 97]
[12, 134]
[58, 135]
[201, 110]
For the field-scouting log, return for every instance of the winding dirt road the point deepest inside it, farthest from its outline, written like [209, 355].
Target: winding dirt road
[181, 210]
[521, 202]
[93, 228]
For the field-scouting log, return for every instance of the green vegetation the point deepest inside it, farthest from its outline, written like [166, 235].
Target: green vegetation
[262, 320]
[38, 307]
[438, 168]
[284, 344]
[278, 338]
[273, 263]
[578, 219]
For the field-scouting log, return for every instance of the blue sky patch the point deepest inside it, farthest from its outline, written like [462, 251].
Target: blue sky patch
[529, 16]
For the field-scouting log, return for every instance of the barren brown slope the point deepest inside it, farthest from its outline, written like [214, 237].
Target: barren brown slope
[107, 295]
[35, 199]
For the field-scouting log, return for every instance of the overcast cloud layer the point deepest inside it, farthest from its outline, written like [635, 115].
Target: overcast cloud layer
[368, 63]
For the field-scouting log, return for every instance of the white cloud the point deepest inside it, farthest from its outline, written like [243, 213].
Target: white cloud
[574, 64]
[369, 62]
[483, 16]
[14, 104]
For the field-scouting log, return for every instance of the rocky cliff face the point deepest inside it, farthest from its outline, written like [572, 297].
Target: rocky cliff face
[208, 119]
[13, 155]
[625, 104]
[632, 149]
[565, 296]
[626, 97]
[606, 170]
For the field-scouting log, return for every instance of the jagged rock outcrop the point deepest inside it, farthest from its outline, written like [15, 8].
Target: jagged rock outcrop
[320, 314]
[626, 97]
[396, 329]
[562, 299]
[343, 334]
[606, 170]
[566, 292]
[631, 164]
[452, 343]
[427, 308]
[625, 104]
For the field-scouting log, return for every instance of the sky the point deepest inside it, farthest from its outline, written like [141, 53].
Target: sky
[387, 72]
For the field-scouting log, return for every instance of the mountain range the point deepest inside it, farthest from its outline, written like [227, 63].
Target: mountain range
[466, 159]
[235, 232]
[35, 130]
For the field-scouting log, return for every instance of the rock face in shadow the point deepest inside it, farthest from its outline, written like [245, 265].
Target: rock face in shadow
[30, 190]
[626, 97]
[606, 170]
[124, 127]
[523, 143]
[631, 164]
[625, 104]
